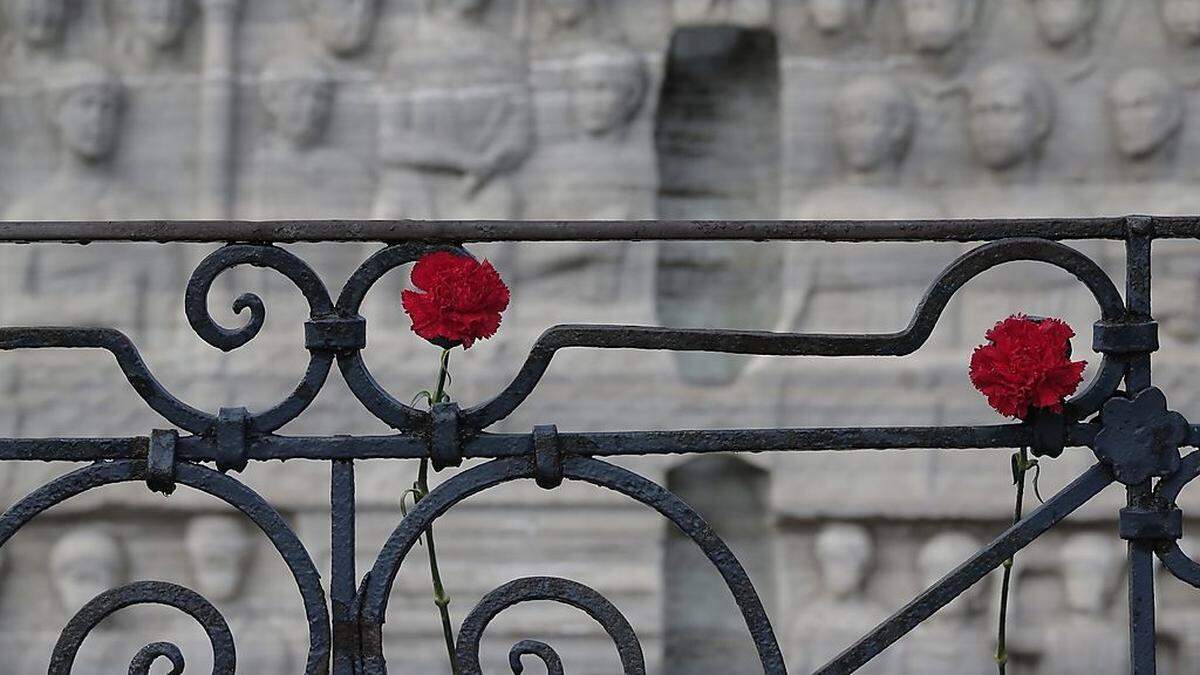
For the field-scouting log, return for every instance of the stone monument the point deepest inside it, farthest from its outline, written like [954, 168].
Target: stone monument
[297, 174]
[343, 27]
[578, 109]
[937, 30]
[456, 119]
[1084, 641]
[149, 28]
[221, 553]
[1181, 21]
[1066, 25]
[843, 612]
[953, 641]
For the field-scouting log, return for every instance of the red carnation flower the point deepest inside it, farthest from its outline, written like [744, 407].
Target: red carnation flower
[458, 299]
[1026, 365]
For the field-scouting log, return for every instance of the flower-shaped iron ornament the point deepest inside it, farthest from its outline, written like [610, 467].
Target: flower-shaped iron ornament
[1139, 437]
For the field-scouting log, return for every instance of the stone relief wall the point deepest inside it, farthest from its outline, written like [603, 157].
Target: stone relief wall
[609, 109]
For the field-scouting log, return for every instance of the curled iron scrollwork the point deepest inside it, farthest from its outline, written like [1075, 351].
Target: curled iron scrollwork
[376, 589]
[147, 593]
[358, 378]
[226, 339]
[558, 590]
[1125, 335]
[219, 485]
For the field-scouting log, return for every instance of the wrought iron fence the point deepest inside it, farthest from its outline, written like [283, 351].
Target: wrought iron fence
[1134, 436]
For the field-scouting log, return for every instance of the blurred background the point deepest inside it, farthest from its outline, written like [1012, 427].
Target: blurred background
[594, 109]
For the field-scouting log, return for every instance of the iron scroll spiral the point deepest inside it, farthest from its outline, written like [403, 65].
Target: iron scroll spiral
[354, 369]
[403, 417]
[558, 590]
[227, 339]
[221, 486]
[376, 589]
[143, 593]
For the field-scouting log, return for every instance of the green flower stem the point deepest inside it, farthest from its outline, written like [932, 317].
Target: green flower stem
[1021, 465]
[440, 597]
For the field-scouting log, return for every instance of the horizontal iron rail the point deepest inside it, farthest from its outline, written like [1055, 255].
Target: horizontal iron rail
[465, 231]
[593, 444]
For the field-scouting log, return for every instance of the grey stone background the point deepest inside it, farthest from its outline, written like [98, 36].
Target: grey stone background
[607, 109]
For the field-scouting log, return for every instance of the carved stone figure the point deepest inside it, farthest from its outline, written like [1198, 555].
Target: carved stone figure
[1146, 113]
[1086, 641]
[1146, 110]
[843, 613]
[610, 85]
[85, 106]
[569, 21]
[220, 549]
[1010, 114]
[952, 641]
[1066, 25]
[874, 120]
[591, 175]
[1181, 21]
[38, 24]
[937, 30]
[838, 17]
[150, 27]
[344, 27]
[737, 12]
[296, 174]
[84, 563]
[456, 119]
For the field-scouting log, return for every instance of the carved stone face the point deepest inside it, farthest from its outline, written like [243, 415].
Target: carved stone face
[1146, 110]
[935, 26]
[88, 119]
[219, 549]
[844, 554]
[1010, 112]
[1181, 19]
[873, 122]
[608, 91]
[343, 26]
[159, 22]
[837, 16]
[40, 22]
[1061, 21]
[84, 564]
[942, 554]
[299, 102]
[1090, 566]
[568, 12]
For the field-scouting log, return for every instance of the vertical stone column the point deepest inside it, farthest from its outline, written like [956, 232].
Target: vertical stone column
[218, 113]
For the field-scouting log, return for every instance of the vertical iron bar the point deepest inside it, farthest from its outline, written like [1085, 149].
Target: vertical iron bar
[342, 572]
[1137, 377]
